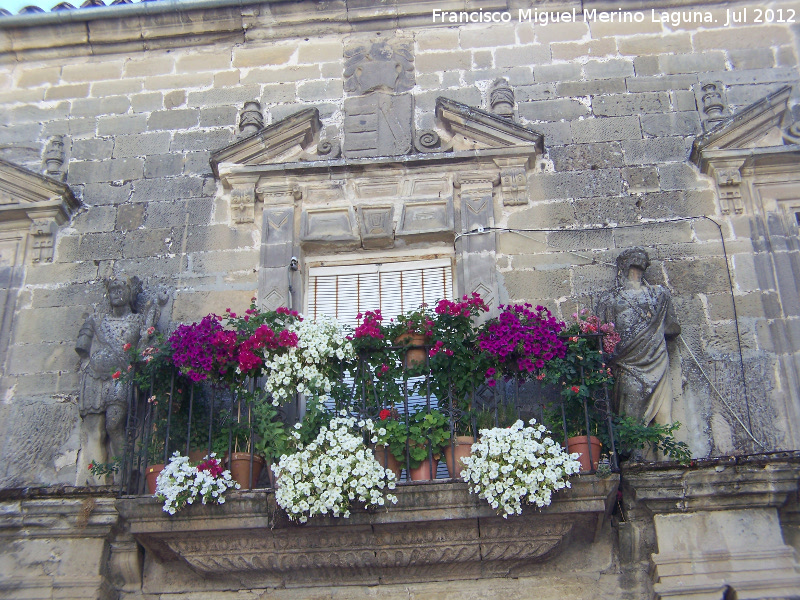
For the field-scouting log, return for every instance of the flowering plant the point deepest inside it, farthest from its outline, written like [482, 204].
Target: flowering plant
[509, 466]
[180, 483]
[415, 322]
[327, 475]
[582, 372]
[308, 367]
[521, 341]
[377, 370]
[428, 430]
[205, 349]
[392, 432]
[456, 362]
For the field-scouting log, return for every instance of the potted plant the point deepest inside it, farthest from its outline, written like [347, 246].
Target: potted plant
[412, 330]
[180, 483]
[428, 434]
[376, 368]
[331, 472]
[391, 435]
[584, 376]
[516, 464]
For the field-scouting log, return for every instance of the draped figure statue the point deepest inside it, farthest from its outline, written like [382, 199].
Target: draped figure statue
[645, 319]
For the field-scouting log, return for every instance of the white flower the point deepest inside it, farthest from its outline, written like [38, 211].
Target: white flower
[180, 484]
[330, 473]
[510, 465]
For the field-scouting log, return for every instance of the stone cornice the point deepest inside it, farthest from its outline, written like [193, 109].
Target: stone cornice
[721, 484]
[148, 26]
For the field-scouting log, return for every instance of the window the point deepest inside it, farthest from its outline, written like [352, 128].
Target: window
[394, 288]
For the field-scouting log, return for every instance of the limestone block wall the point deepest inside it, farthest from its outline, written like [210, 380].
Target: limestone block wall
[617, 105]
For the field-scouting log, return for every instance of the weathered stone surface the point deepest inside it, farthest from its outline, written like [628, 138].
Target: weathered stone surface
[585, 184]
[617, 105]
[553, 110]
[579, 157]
[606, 129]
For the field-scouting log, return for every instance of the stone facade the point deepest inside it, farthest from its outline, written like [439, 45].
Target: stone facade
[201, 150]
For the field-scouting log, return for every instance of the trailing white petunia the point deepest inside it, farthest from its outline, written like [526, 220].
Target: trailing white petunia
[329, 474]
[306, 368]
[518, 464]
[180, 483]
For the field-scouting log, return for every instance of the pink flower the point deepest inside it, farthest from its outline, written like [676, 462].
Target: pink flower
[151, 330]
[126, 347]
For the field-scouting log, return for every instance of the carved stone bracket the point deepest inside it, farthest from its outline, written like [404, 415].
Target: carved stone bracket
[43, 234]
[434, 530]
[729, 181]
[243, 203]
[513, 180]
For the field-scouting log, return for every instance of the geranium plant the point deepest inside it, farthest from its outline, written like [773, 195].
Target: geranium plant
[180, 483]
[332, 472]
[428, 431]
[516, 465]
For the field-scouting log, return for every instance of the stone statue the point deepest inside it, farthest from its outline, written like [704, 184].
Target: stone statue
[644, 318]
[103, 343]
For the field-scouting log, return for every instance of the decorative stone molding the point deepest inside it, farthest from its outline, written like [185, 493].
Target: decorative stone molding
[513, 180]
[243, 203]
[75, 528]
[728, 182]
[501, 98]
[711, 103]
[336, 224]
[427, 216]
[378, 124]
[54, 158]
[435, 530]
[251, 119]
[43, 233]
[376, 225]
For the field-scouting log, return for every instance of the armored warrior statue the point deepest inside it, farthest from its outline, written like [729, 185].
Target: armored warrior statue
[103, 343]
[644, 317]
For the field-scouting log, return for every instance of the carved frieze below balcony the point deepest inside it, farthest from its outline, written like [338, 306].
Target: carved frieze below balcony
[436, 531]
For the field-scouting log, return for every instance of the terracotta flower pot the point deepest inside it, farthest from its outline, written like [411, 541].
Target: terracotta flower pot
[580, 445]
[414, 356]
[387, 460]
[151, 475]
[423, 472]
[240, 469]
[463, 448]
[197, 455]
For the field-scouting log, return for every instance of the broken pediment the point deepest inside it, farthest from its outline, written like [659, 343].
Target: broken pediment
[27, 196]
[757, 146]
[378, 127]
[756, 126]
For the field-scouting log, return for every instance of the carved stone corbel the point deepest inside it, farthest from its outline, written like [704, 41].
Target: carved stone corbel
[376, 225]
[243, 202]
[43, 234]
[729, 181]
[513, 180]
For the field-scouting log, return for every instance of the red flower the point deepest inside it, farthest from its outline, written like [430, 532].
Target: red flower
[385, 414]
[126, 347]
[575, 389]
[117, 374]
[151, 330]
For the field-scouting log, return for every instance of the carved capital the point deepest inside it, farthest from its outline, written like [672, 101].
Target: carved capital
[376, 225]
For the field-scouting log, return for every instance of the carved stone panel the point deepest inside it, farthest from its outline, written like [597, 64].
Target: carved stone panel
[378, 124]
[385, 65]
[336, 224]
[277, 241]
[376, 224]
[426, 217]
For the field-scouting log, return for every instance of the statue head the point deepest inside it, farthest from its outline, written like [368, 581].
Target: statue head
[123, 291]
[632, 257]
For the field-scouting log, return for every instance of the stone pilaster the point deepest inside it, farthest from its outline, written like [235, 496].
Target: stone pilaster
[717, 528]
[277, 246]
[475, 251]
